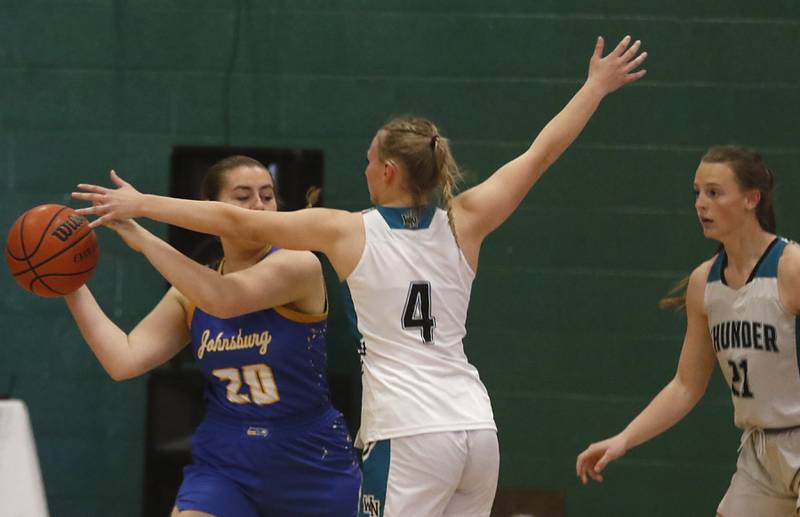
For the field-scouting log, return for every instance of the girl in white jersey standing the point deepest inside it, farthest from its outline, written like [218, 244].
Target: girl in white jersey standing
[742, 306]
[427, 424]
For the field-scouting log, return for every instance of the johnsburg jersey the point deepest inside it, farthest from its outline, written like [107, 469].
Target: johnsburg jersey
[755, 339]
[262, 365]
[411, 289]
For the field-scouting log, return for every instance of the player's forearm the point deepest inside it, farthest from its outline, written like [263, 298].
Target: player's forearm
[107, 341]
[211, 217]
[201, 285]
[668, 408]
[564, 128]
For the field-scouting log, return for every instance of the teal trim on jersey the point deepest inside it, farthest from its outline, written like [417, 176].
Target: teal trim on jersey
[375, 477]
[407, 218]
[716, 268]
[768, 265]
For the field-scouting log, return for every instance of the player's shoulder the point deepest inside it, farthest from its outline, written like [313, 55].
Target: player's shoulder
[789, 263]
[791, 253]
[294, 259]
[700, 274]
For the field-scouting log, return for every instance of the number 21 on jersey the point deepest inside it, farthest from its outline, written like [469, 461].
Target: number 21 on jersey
[417, 311]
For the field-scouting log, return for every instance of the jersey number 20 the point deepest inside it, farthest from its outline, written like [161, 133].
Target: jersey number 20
[259, 379]
[417, 312]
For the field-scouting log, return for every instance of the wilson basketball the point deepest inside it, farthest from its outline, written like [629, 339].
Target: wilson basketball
[51, 251]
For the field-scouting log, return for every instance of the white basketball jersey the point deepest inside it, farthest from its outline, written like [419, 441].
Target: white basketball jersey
[410, 291]
[755, 339]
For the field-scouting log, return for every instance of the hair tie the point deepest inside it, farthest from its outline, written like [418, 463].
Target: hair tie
[434, 141]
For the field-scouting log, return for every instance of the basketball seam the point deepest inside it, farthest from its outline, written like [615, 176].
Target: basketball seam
[35, 278]
[45, 261]
[28, 260]
[41, 239]
[67, 274]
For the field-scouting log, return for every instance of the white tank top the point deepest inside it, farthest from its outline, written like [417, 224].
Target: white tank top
[410, 291]
[755, 339]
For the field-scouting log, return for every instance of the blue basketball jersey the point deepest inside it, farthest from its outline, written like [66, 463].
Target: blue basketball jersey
[263, 365]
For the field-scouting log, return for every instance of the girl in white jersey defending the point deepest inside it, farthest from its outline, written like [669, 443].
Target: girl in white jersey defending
[427, 424]
[742, 306]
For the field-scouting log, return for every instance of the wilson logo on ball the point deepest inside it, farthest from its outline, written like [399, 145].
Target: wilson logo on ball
[65, 229]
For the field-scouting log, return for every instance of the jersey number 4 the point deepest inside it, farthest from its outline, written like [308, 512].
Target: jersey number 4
[736, 378]
[259, 379]
[417, 312]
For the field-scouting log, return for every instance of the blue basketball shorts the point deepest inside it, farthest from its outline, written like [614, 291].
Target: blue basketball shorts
[308, 468]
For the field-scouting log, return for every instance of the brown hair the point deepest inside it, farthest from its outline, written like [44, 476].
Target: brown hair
[425, 155]
[215, 177]
[751, 173]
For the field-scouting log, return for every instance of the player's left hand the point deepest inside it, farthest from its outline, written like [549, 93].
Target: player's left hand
[618, 68]
[110, 204]
[592, 461]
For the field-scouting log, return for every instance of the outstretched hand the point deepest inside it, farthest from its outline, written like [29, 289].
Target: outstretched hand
[593, 460]
[109, 204]
[618, 68]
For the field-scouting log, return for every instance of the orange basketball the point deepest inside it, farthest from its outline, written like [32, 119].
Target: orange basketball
[51, 251]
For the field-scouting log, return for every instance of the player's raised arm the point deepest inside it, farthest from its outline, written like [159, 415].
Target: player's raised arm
[486, 206]
[677, 398]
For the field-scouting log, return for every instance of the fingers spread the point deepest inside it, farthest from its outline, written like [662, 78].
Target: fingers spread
[635, 62]
[621, 46]
[632, 50]
[92, 188]
[635, 76]
[85, 196]
[116, 179]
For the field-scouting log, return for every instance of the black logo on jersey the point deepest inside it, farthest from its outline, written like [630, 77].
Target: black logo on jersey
[370, 506]
[410, 219]
[744, 334]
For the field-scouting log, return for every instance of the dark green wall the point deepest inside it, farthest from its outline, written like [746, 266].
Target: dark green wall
[563, 325]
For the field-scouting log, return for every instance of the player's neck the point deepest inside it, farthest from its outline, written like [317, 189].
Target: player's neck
[745, 248]
[242, 256]
[396, 198]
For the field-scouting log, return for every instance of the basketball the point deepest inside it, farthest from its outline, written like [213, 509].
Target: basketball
[51, 251]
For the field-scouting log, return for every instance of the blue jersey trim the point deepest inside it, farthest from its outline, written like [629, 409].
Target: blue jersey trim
[716, 268]
[407, 218]
[768, 265]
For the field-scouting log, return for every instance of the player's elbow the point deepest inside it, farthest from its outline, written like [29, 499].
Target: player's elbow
[690, 390]
[118, 374]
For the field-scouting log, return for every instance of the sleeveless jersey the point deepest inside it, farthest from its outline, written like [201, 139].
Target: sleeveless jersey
[756, 342]
[263, 365]
[410, 290]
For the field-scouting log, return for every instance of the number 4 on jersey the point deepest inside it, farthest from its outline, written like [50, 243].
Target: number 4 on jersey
[417, 313]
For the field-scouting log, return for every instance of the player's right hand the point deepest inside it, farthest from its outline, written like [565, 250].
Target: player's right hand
[122, 202]
[594, 459]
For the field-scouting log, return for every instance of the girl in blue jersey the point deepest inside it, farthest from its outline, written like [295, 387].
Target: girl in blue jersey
[427, 425]
[271, 444]
[743, 311]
